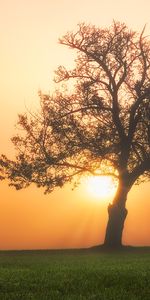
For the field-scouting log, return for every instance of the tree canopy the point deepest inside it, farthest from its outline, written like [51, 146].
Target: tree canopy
[99, 124]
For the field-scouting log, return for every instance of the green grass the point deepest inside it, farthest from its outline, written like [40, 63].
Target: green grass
[73, 275]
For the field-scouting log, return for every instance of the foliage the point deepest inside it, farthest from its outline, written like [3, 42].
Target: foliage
[100, 122]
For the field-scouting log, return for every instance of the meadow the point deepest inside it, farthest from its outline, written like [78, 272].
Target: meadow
[75, 274]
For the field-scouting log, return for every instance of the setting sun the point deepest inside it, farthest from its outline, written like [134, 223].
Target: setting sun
[100, 186]
[29, 55]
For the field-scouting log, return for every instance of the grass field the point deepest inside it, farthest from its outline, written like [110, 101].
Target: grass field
[75, 274]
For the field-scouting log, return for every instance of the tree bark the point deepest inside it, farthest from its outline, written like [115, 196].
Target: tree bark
[115, 225]
[116, 217]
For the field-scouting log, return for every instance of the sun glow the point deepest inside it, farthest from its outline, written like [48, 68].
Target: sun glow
[100, 187]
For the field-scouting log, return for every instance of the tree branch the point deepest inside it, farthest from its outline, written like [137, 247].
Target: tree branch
[139, 170]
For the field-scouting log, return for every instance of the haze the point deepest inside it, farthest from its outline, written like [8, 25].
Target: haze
[29, 53]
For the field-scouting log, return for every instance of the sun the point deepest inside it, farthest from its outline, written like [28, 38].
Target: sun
[100, 187]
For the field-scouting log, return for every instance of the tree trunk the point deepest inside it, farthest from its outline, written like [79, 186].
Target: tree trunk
[114, 230]
[116, 217]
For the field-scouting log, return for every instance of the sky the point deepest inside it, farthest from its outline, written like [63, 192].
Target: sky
[29, 54]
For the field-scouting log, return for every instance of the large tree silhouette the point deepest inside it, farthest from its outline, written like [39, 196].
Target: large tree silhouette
[97, 124]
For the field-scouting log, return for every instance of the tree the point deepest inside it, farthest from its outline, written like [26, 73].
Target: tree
[97, 124]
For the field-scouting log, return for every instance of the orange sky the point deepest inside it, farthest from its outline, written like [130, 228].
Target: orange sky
[29, 53]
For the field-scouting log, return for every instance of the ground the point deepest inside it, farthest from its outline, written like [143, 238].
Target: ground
[75, 274]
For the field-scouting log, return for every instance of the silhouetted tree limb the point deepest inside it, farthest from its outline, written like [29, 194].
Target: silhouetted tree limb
[99, 124]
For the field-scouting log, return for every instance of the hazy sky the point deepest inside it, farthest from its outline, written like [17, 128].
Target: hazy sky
[29, 53]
